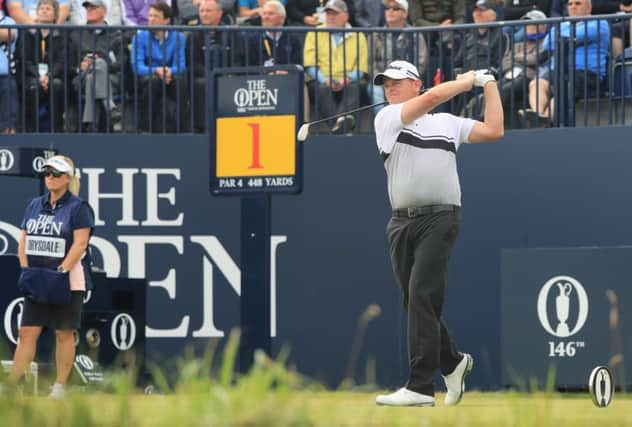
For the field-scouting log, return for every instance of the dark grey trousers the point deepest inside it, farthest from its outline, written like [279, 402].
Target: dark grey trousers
[420, 249]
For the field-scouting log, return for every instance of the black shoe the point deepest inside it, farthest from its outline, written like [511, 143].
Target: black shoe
[344, 124]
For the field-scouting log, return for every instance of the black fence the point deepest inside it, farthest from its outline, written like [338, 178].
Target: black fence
[113, 79]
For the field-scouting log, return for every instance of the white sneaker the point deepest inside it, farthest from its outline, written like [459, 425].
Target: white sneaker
[405, 397]
[57, 392]
[455, 382]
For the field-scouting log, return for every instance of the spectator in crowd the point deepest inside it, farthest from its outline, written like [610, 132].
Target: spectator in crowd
[8, 89]
[589, 41]
[430, 13]
[158, 60]
[25, 11]
[312, 12]
[521, 64]
[207, 50]
[622, 30]
[560, 7]
[114, 12]
[336, 63]
[273, 47]
[480, 48]
[41, 59]
[388, 47]
[516, 9]
[98, 56]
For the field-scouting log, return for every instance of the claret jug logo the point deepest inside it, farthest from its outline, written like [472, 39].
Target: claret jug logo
[123, 331]
[564, 290]
[13, 318]
[6, 160]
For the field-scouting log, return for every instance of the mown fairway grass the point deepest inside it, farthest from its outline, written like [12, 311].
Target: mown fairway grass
[227, 407]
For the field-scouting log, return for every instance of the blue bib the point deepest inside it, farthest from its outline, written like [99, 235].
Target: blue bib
[49, 230]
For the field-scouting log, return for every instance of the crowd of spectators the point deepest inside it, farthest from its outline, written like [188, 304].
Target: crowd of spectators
[85, 79]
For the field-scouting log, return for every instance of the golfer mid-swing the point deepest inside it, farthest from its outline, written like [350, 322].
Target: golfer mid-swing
[419, 152]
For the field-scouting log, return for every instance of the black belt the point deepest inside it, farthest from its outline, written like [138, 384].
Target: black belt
[423, 210]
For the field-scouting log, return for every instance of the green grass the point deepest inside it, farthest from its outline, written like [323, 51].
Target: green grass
[272, 395]
[233, 407]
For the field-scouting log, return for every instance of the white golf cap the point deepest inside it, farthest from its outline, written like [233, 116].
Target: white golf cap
[535, 15]
[402, 3]
[397, 70]
[58, 163]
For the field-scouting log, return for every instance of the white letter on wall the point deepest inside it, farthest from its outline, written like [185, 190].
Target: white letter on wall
[136, 269]
[126, 195]
[153, 195]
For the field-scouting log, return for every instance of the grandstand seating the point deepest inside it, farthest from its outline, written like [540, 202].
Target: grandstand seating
[610, 106]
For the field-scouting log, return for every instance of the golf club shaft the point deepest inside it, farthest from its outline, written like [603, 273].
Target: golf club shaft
[355, 110]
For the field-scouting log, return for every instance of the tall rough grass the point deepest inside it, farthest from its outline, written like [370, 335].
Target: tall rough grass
[272, 395]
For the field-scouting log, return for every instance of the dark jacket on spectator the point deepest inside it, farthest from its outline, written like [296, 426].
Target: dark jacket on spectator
[225, 49]
[108, 45]
[297, 10]
[481, 50]
[263, 50]
[54, 51]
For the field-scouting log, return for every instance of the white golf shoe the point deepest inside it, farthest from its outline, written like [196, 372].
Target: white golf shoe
[405, 397]
[455, 382]
[57, 392]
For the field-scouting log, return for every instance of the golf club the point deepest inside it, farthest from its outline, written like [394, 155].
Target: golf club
[303, 131]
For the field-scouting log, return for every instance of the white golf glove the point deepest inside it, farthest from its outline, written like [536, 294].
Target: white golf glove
[482, 77]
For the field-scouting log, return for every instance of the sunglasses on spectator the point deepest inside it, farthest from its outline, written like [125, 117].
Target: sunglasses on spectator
[393, 8]
[575, 3]
[53, 172]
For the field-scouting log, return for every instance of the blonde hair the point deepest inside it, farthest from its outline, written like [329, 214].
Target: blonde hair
[73, 177]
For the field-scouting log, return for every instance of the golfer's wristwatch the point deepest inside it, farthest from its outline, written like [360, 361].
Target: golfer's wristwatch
[61, 269]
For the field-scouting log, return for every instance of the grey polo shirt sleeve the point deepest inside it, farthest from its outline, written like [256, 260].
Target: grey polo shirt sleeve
[388, 124]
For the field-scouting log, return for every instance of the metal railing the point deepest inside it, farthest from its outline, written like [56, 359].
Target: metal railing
[105, 79]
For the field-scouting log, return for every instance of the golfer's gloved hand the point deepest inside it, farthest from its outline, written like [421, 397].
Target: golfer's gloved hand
[482, 77]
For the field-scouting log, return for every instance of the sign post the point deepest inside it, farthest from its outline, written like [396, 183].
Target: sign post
[254, 154]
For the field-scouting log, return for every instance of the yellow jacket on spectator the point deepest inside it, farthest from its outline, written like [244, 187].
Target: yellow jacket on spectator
[348, 54]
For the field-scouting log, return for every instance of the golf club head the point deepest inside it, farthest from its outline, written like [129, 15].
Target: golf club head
[303, 132]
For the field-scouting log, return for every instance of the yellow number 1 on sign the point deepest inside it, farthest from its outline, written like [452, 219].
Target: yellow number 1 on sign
[256, 146]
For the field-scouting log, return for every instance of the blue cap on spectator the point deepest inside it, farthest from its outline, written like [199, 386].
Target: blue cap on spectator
[534, 15]
[97, 3]
[336, 5]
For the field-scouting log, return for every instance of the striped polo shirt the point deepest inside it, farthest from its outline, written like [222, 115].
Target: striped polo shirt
[420, 158]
